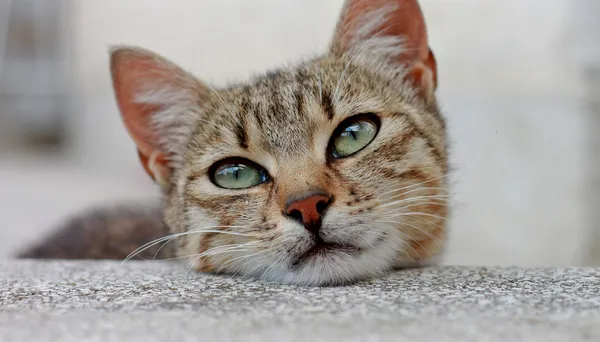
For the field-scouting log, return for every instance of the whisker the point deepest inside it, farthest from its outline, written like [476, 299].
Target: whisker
[441, 198]
[395, 210]
[417, 242]
[420, 183]
[221, 250]
[418, 214]
[160, 248]
[227, 248]
[197, 258]
[231, 261]
[405, 251]
[429, 235]
[409, 187]
[173, 236]
[197, 254]
[411, 247]
[251, 271]
[410, 191]
[417, 190]
[192, 263]
[241, 267]
[405, 242]
[275, 255]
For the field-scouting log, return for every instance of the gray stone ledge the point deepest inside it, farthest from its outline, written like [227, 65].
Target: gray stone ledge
[147, 301]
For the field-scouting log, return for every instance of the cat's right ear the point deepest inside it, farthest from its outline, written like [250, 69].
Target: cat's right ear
[158, 102]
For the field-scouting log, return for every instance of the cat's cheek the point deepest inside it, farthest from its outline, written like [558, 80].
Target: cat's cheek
[359, 230]
[423, 252]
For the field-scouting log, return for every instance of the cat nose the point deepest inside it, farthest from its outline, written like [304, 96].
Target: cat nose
[309, 210]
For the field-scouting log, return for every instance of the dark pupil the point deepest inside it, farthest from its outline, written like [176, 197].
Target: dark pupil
[351, 130]
[233, 170]
[236, 172]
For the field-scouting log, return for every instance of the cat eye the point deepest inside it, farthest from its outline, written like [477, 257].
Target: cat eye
[237, 173]
[353, 135]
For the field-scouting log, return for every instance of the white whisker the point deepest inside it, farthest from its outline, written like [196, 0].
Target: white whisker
[441, 198]
[409, 187]
[236, 249]
[418, 214]
[414, 190]
[160, 248]
[276, 255]
[423, 182]
[220, 250]
[231, 261]
[405, 251]
[170, 237]
[211, 252]
[429, 235]
[395, 210]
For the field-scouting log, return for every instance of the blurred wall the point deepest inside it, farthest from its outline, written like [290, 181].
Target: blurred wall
[509, 85]
[586, 34]
[33, 69]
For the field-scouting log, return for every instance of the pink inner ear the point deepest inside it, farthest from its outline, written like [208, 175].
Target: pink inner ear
[405, 21]
[129, 72]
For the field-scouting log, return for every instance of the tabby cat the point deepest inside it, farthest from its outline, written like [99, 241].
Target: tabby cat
[324, 173]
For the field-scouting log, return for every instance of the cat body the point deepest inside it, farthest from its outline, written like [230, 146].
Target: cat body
[327, 172]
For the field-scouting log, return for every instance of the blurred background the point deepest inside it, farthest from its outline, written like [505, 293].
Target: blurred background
[519, 84]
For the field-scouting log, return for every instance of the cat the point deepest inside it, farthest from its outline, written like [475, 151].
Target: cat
[328, 172]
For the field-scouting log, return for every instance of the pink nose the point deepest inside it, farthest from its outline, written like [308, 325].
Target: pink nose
[309, 210]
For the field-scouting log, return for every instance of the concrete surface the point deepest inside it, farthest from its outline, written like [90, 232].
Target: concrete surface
[150, 301]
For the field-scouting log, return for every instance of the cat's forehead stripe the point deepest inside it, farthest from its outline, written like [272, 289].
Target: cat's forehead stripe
[327, 105]
[241, 131]
[276, 104]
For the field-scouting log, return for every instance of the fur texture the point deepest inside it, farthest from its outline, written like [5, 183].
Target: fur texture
[390, 199]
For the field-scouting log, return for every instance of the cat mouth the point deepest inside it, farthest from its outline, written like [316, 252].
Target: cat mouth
[322, 248]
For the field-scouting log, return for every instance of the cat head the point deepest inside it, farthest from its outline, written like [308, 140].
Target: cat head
[325, 173]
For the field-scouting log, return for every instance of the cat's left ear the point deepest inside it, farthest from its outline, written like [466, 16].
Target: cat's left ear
[393, 29]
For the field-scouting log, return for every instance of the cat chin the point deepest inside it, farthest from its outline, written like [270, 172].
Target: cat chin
[332, 268]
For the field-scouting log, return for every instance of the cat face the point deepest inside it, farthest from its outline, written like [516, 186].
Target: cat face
[325, 173]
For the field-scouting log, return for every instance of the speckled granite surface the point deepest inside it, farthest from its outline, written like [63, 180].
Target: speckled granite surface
[146, 301]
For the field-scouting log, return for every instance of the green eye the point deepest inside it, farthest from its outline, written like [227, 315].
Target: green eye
[238, 175]
[353, 135]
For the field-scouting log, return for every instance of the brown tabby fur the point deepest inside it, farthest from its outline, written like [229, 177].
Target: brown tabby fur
[390, 199]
